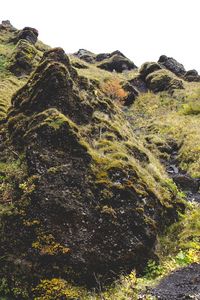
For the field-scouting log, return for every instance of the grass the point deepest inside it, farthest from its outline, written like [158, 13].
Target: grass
[160, 117]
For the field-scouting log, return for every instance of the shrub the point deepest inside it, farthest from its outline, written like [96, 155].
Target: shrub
[56, 289]
[113, 89]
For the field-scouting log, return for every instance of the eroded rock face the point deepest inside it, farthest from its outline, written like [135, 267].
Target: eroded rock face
[90, 206]
[173, 65]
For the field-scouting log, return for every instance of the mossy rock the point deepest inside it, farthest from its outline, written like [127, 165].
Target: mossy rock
[147, 68]
[162, 80]
[22, 60]
[117, 63]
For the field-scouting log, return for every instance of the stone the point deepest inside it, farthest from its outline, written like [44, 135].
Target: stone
[162, 80]
[173, 65]
[192, 75]
[7, 26]
[29, 34]
[85, 55]
[148, 68]
[132, 94]
[139, 84]
[117, 63]
[22, 59]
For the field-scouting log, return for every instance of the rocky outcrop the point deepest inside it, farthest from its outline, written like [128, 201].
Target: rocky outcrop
[118, 63]
[7, 26]
[22, 59]
[85, 55]
[158, 79]
[29, 34]
[173, 65]
[115, 61]
[132, 94]
[89, 206]
[192, 75]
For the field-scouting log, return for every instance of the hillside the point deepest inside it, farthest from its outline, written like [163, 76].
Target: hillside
[99, 172]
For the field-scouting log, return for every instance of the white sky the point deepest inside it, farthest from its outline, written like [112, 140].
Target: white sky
[141, 29]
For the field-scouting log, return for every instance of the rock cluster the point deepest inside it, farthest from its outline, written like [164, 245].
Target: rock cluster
[115, 61]
[87, 209]
[178, 69]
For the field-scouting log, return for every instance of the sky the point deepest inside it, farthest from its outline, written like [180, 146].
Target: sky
[141, 29]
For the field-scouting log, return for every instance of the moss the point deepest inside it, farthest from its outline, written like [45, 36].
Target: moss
[22, 59]
[163, 80]
[56, 288]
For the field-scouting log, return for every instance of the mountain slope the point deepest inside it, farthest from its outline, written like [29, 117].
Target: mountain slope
[83, 192]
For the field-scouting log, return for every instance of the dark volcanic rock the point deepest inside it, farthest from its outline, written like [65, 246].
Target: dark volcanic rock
[29, 34]
[83, 211]
[192, 75]
[85, 55]
[172, 65]
[162, 80]
[139, 84]
[117, 63]
[132, 94]
[147, 68]
[7, 26]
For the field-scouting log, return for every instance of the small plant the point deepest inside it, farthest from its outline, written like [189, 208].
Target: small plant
[55, 289]
[113, 89]
[153, 270]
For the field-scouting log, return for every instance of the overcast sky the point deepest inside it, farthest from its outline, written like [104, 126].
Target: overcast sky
[141, 29]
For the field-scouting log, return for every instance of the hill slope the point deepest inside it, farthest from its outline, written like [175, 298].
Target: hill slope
[86, 143]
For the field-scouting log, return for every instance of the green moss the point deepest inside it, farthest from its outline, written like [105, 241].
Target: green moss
[56, 288]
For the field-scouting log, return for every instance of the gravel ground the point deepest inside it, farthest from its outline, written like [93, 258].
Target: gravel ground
[181, 284]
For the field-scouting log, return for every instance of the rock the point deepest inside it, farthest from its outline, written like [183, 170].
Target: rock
[139, 84]
[148, 68]
[29, 34]
[117, 63]
[187, 183]
[132, 94]
[162, 80]
[79, 65]
[22, 60]
[85, 209]
[7, 26]
[102, 56]
[173, 65]
[85, 55]
[192, 75]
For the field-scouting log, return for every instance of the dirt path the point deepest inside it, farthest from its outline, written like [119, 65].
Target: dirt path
[181, 284]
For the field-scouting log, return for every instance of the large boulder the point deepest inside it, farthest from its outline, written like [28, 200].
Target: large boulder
[29, 34]
[117, 63]
[85, 55]
[192, 75]
[163, 80]
[7, 26]
[89, 205]
[173, 65]
[148, 68]
[158, 79]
